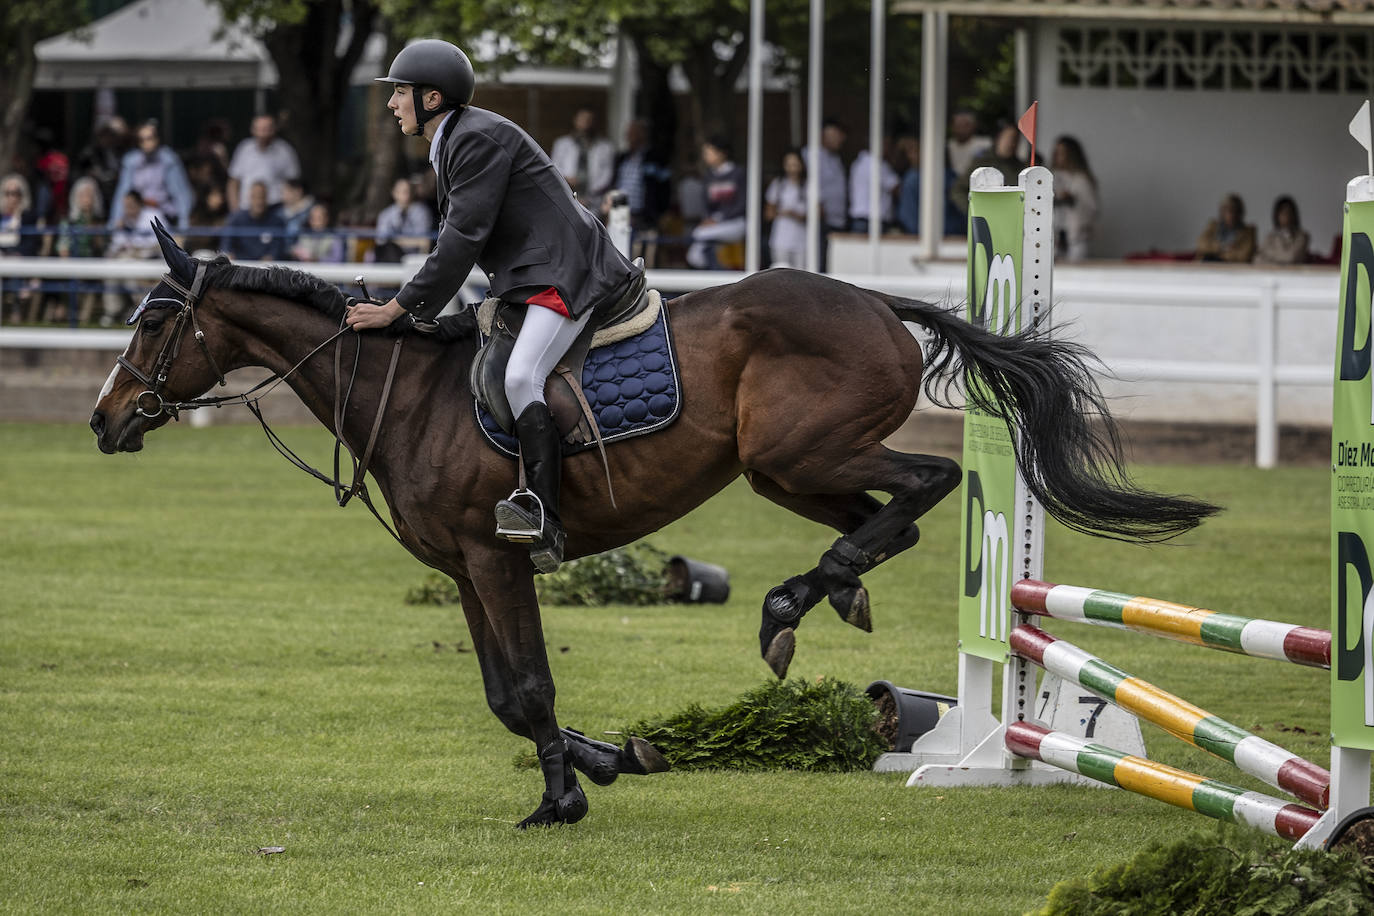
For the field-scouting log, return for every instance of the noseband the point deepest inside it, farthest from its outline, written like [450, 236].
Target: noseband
[150, 403]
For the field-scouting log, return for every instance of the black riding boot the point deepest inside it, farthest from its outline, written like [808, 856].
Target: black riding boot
[530, 516]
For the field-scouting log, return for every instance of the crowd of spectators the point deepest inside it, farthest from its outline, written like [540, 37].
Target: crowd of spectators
[253, 205]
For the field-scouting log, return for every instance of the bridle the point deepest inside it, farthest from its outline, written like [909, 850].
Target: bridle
[151, 404]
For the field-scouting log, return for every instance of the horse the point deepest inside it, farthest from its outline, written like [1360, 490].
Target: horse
[789, 378]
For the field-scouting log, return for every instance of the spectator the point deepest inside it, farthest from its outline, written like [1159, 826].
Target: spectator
[586, 160]
[295, 208]
[644, 182]
[785, 205]
[833, 183]
[101, 158]
[964, 145]
[1075, 200]
[155, 172]
[132, 237]
[263, 157]
[318, 242]
[205, 171]
[1288, 242]
[54, 170]
[255, 234]
[1228, 237]
[909, 193]
[82, 235]
[888, 181]
[405, 227]
[1000, 156]
[18, 238]
[210, 213]
[726, 198]
[213, 144]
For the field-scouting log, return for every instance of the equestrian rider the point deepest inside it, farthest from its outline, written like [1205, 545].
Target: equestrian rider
[503, 205]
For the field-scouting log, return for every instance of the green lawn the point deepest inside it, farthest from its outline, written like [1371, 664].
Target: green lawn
[200, 655]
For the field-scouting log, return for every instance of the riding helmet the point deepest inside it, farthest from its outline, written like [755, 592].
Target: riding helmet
[437, 63]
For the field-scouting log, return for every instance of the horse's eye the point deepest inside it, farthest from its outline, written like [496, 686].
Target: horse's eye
[152, 326]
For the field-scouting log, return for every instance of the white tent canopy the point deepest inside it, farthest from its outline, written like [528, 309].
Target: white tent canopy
[156, 44]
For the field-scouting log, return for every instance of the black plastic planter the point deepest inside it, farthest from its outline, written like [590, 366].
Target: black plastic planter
[696, 582]
[917, 711]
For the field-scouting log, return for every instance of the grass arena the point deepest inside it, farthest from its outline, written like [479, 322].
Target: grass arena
[215, 699]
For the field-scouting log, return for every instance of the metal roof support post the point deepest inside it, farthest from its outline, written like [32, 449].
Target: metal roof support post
[815, 77]
[875, 132]
[753, 214]
[934, 55]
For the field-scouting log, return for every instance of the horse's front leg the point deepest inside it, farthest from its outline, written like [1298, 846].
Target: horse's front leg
[518, 680]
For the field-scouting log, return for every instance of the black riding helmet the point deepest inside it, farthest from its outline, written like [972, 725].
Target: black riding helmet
[433, 63]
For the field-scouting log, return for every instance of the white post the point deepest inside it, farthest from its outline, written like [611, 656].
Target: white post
[815, 77]
[875, 132]
[934, 45]
[1266, 420]
[753, 213]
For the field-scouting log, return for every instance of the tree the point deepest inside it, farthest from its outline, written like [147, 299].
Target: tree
[314, 69]
[24, 23]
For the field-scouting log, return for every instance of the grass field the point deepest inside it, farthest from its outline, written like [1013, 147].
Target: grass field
[200, 655]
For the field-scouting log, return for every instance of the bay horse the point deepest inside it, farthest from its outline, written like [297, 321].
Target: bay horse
[790, 378]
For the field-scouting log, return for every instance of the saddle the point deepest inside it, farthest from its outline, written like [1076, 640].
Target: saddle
[499, 322]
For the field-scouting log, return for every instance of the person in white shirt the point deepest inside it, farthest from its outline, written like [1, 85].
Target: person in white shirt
[834, 184]
[785, 205]
[888, 180]
[586, 160]
[262, 157]
[965, 144]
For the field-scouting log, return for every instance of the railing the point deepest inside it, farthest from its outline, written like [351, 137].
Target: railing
[1260, 294]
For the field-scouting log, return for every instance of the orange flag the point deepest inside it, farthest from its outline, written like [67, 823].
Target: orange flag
[1027, 126]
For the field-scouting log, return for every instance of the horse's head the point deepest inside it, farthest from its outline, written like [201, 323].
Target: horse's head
[167, 361]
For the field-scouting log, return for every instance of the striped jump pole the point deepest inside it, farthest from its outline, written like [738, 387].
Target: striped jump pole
[1250, 753]
[1228, 632]
[1155, 780]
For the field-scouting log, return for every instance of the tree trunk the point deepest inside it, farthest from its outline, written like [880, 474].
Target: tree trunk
[16, 89]
[385, 145]
[655, 103]
[312, 84]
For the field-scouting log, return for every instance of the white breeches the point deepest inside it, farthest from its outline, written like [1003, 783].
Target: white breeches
[543, 339]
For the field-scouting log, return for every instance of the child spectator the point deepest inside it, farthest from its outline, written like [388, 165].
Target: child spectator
[1287, 243]
[1228, 237]
[785, 205]
[725, 196]
[318, 242]
[132, 237]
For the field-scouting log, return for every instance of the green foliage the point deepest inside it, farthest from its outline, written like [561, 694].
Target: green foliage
[635, 575]
[1235, 872]
[825, 726]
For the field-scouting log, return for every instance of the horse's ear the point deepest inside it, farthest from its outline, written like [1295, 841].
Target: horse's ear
[181, 264]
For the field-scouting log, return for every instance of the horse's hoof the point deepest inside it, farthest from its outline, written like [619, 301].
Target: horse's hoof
[852, 606]
[569, 809]
[778, 655]
[645, 757]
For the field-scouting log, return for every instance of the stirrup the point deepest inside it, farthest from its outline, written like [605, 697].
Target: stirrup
[517, 524]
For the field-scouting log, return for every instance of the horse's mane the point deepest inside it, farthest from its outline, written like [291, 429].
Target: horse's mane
[282, 282]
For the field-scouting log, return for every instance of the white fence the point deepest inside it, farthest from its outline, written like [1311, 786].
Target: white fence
[1158, 328]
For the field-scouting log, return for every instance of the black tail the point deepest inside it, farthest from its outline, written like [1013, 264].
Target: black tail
[1069, 450]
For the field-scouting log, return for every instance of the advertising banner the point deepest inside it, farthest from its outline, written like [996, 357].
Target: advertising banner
[994, 272]
[1352, 491]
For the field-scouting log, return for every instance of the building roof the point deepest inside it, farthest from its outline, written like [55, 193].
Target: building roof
[1314, 12]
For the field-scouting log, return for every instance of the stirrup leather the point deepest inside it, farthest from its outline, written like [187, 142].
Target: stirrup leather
[517, 524]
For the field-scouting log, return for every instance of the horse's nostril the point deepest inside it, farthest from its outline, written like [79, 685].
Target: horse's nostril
[98, 423]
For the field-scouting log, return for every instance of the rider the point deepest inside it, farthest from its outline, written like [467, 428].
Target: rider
[505, 206]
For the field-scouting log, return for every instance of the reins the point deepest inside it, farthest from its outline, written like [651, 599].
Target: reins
[251, 398]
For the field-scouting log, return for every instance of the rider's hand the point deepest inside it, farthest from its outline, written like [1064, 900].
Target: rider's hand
[365, 316]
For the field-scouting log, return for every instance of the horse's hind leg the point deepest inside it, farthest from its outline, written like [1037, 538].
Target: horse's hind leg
[872, 532]
[786, 604]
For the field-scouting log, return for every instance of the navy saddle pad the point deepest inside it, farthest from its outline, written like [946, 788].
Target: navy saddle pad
[632, 386]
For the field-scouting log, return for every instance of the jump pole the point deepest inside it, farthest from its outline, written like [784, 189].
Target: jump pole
[1005, 752]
